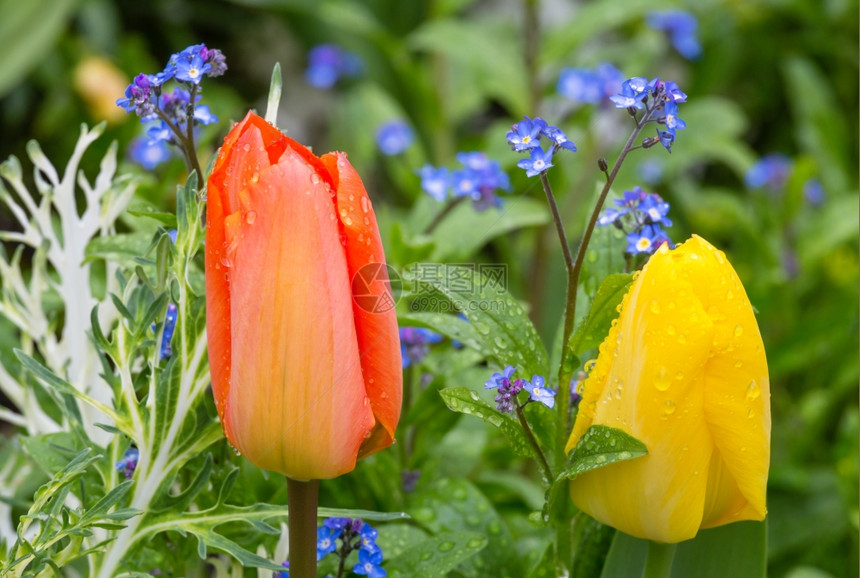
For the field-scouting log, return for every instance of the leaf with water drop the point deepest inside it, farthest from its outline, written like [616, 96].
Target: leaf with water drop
[600, 446]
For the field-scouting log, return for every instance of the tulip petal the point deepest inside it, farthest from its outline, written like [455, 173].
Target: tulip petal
[302, 409]
[376, 327]
[649, 383]
[737, 390]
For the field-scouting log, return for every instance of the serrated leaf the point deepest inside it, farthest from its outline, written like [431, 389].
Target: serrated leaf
[500, 321]
[594, 328]
[463, 400]
[600, 446]
[436, 556]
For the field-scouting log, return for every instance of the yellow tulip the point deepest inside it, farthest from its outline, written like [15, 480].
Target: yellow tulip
[683, 369]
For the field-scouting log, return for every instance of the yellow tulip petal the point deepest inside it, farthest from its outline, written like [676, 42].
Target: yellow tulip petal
[683, 370]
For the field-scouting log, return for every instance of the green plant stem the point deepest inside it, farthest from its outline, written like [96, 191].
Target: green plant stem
[302, 502]
[658, 563]
[440, 216]
[546, 471]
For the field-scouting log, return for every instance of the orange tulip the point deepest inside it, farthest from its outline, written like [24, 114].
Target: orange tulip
[305, 380]
[683, 370]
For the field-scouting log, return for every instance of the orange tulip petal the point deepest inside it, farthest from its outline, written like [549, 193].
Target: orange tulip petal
[301, 408]
[375, 321]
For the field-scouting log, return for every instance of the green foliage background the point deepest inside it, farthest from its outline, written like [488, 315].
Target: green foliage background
[775, 76]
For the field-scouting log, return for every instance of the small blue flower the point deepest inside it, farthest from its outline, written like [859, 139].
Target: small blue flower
[507, 395]
[394, 137]
[590, 86]
[327, 63]
[337, 524]
[673, 122]
[610, 216]
[633, 93]
[167, 333]
[630, 200]
[538, 162]
[645, 240]
[813, 192]
[656, 210]
[539, 393]
[415, 344]
[500, 379]
[369, 564]
[128, 463]
[560, 139]
[326, 541]
[190, 66]
[203, 116]
[465, 183]
[435, 182]
[667, 138]
[772, 171]
[681, 27]
[368, 536]
[148, 153]
[525, 135]
[672, 93]
[173, 233]
[284, 573]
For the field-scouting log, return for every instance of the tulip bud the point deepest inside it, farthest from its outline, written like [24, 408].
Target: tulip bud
[305, 380]
[683, 370]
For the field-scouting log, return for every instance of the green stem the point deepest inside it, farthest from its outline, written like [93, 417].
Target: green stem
[440, 216]
[302, 500]
[546, 471]
[658, 564]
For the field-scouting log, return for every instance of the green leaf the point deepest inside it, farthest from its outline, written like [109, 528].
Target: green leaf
[592, 541]
[465, 230]
[738, 549]
[600, 446]
[481, 294]
[545, 568]
[123, 248]
[593, 330]
[486, 55]
[454, 504]
[436, 556]
[28, 31]
[463, 400]
[450, 326]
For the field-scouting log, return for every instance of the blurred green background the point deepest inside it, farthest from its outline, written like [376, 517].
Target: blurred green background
[774, 76]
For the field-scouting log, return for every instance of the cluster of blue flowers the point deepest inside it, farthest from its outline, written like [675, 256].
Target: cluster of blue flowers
[681, 28]
[584, 85]
[478, 180]
[167, 114]
[525, 136]
[658, 98]
[415, 344]
[508, 390]
[354, 534]
[394, 137]
[327, 63]
[128, 463]
[640, 215]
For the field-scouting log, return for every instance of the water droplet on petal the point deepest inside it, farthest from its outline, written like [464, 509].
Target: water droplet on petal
[668, 408]
[739, 331]
[315, 178]
[753, 391]
[246, 147]
[661, 380]
[655, 307]
[365, 204]
[250, 217]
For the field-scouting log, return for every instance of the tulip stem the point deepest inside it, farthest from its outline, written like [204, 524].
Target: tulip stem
[658, 563]
[302, 500]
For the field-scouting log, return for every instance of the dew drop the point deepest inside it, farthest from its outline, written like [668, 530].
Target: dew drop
[668, 408]
[343, 212]
[738, 363]
[255, 178]
[501, 343]
[246, 147]
[365, 205]
[739, 331]
[751, 413]
[315, 178]
[661, 380]
[347, 221]
[694, 256]
[670, 329]
[753, 391]
[250, 217]
[655, 307]
[682, 339]
[679, 376]
[366, 221]
[366, 401]
[307, 191]
[351, 197]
